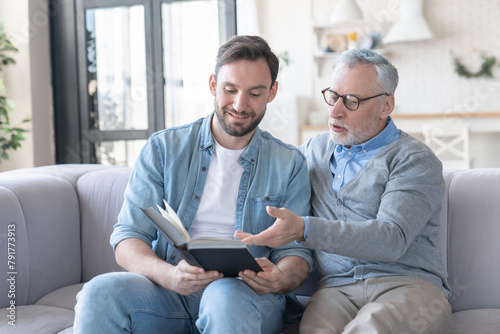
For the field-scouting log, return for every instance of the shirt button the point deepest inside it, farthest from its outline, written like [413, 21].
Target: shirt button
[203, 168]
[339, 201]
[172, 257]
[196, 197]
[350, 153]
[339, 176]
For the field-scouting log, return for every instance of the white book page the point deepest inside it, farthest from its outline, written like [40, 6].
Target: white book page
[172, 217]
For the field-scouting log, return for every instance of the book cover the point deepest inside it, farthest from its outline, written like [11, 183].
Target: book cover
[228, 256]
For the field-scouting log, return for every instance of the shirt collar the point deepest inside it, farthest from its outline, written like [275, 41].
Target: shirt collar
[383, 138]
[207, 141]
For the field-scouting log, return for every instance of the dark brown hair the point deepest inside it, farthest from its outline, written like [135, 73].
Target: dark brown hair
[248, 48]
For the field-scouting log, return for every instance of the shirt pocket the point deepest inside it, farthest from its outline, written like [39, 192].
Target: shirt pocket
[259, 218]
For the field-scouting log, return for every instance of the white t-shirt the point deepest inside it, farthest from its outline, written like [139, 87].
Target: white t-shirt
[217, 211]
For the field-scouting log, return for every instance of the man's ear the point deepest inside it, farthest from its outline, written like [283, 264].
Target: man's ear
[212, 84]
[273, 92]
[388, 106]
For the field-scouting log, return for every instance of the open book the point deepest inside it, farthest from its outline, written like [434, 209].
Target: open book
[227, 256]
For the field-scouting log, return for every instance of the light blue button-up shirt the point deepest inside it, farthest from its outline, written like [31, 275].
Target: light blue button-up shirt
[173, 165]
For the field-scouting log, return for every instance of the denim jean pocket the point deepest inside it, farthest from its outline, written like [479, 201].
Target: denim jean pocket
[259, 217]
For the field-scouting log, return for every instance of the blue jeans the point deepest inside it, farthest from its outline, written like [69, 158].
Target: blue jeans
[124, 302]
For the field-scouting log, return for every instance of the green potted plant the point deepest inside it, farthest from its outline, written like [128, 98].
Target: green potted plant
[10, 135]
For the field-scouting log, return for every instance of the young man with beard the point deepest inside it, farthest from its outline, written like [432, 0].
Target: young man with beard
[219, 174]
[376, 198]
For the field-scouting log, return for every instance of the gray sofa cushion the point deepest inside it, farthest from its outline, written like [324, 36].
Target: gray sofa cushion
[69, 172]
[64, 297]
[473, 262]
[12, 213]
[480, 321]
[49, 209]
[442, 238]
[39, 319]
[101, 196]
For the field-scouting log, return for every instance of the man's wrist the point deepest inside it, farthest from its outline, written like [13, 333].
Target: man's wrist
[302, 238]
[306, 226]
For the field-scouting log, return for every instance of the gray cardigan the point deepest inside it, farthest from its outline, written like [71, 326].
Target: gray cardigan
[384, 221]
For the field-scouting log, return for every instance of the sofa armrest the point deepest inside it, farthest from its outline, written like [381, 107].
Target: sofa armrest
[43, 210]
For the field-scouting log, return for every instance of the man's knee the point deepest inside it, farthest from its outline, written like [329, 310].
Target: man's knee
[230, 305]
[227, 285]
[102, 291]
[226, 293]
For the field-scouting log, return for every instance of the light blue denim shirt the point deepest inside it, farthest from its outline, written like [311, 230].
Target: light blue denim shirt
[173, 165]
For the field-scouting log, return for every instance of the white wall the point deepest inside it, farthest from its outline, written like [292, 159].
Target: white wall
[28, 82]
[428, 82]
[286, 25]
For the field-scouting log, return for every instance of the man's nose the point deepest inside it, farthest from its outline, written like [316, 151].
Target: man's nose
[338, 110]
[240, 102]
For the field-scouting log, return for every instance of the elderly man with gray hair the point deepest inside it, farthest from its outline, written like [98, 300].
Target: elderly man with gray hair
[375, 205]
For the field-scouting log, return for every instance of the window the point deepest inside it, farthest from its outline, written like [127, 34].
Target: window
[125, 69]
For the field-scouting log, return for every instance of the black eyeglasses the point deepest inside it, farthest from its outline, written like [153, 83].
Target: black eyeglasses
[351, 102]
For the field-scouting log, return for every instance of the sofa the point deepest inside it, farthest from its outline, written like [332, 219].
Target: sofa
[56, 220]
